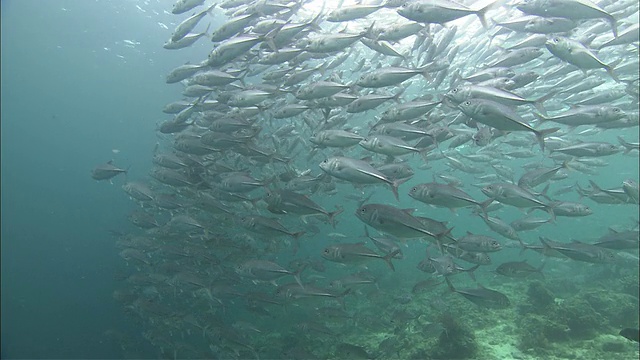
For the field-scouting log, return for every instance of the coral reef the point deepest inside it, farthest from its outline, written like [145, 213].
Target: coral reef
[583, 321]
[538, 331]
[619, 309]
[456, 341]
[539, 297]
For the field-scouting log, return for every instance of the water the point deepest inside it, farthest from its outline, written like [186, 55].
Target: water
[83, 82]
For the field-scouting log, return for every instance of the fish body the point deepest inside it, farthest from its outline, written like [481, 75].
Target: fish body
[188, 24]
[587, 115]
[213, 78]
[407, 111]
[439, 11]
[231, 48]
[570, 9]
[185, 41]
[482, 296]
[478, 243]
[442, 195]
[581, 252]
[354, 253]
[518, 269]
[106, 171]
[387, 145]
[353, 12]
[335, 138]
[287, 201]
[387, 76]
[368, 102]
[232, 27]
[330, 43]
[319, 89]
[513, 195]
[501, 227]
[500, 117]
[570, 209]
[139, 191]
[589, 149]
[356, 171]
[265, 225]
[528, 223]
[263, 270]
[396, 171]
[397, 32]
[182, 6]
[394, 221]
[577, 54]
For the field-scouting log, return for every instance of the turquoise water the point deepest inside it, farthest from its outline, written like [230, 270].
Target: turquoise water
[83, 82]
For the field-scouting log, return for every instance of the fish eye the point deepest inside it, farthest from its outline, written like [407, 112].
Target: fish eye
[556, 40]
[467, 102]
[363, 210]
[455, 90]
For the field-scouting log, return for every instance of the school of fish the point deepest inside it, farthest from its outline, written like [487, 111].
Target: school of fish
[321, 147]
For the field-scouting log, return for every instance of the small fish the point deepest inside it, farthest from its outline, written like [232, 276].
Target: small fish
[350, 253]
[266, 271]
[182, 6]
[357, 171]
[519, 269]
[482, 296]
[107, 171]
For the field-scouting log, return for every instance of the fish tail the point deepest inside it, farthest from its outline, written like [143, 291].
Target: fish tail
[524, 246]
[369, 33]
[471, 272]
[540, 134]
[333, 214]
[449, 284]
[340, 298]
[394, 187]
[387, 258]
[483, 205]
[546, 245]
[595, 186]
[296, 240]
[614, 26]
[538, 103]
[296, 275]
[611, 73]
[396, 97]
[539, 269]
[549, 209]
[298, 234]
[626, 145]
[268, 38]
[366, 232]
[481, 13]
